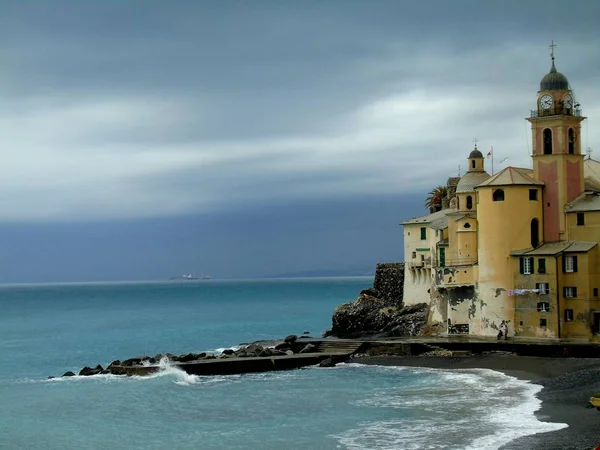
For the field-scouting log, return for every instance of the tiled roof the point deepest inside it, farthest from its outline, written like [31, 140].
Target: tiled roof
[469, 180]
[430, 218]
[511, 176]
[554, 248]
[588, 201]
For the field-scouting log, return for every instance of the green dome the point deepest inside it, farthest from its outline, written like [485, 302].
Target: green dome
[475, 154]
[554, 80]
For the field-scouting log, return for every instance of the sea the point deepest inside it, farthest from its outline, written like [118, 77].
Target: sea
[46, 330]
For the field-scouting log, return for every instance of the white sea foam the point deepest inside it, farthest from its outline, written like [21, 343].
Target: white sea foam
[440, 408]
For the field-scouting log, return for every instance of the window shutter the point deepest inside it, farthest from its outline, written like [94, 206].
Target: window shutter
[533, 265]
[574, 263]
[521, 265]
[564, 292]
[564, 263]
[574, 292]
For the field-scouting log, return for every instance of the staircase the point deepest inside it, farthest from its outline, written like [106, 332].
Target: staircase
[335, 347]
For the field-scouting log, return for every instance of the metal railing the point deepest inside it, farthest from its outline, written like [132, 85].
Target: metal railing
[556, 111]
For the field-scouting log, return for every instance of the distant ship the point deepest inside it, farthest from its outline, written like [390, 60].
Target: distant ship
[189, 276]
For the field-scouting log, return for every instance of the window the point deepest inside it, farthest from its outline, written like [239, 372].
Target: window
[472, 163]
[469, 202]
[547, 141]
[570, 292]
[526, 266]
[533, 194]
[543, 307]
[467, 225]
[580, 219]
[544, 288]
[423, 233]
[595, 292]
[570, 264]
[498, 195]
[571, 141]
[542, 265]
[422, 258]
[414, 255]
[535, 233]
[568, 315]
[543, 322]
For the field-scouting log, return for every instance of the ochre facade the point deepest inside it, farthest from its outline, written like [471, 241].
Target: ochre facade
[517, 252]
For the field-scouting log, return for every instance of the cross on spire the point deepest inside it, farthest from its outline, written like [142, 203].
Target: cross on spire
[588, 151]
[552, 45]
[475, 140]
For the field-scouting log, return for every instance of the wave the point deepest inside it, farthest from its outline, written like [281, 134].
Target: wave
[469, 409]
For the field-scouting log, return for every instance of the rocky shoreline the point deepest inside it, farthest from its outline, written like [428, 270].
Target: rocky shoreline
[291, 345]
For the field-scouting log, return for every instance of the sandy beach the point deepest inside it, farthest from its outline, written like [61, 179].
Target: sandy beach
[567, 384]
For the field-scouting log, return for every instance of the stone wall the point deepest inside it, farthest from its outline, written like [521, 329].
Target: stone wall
[389, 282]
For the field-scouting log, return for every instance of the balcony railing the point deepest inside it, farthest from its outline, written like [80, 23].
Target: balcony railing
[460, 262]
[557, 111]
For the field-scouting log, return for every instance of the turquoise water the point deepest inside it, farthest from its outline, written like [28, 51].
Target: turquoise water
[49, 329]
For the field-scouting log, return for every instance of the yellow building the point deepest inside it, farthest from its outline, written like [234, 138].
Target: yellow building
[518, 251]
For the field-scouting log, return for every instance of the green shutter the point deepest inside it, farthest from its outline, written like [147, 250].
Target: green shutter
[521, 266]
[542, 265]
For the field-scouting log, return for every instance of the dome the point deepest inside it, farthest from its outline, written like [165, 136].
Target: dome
[554, 80]
[475, 154]
[470, 180]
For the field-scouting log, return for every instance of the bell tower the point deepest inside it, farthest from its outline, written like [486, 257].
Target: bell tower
[557, 157]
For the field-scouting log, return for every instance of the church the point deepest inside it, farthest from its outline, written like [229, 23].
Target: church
[517, 251]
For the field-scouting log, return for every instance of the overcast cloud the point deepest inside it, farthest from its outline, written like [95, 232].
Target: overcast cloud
[144, 109]
[125, 112]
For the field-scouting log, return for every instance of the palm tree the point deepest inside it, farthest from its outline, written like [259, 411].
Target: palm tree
[434, 200]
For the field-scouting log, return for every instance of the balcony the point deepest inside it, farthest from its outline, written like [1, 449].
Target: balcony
[454, 277]
[556, 111]
[419, 264]
[451, 262]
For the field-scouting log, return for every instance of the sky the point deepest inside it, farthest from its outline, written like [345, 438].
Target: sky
[145, 139]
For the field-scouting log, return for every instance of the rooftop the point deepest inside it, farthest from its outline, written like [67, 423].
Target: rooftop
[588, 201]
[436, 218]
[511, 176]
[554, 248]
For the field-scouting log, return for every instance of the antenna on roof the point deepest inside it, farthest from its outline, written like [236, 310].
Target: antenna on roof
[588, 152]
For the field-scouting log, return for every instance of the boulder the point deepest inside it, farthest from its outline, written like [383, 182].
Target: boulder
[291, 338]
[368, 316]
[227, 351]
[253, 349]
[88, 371]
[68, 374]
[265, 352]
[283, 346]
[327, 363]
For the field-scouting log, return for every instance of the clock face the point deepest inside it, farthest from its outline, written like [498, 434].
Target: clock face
[568, 101]
[546, 101]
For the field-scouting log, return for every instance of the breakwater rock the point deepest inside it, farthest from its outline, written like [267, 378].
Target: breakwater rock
[289, 346]
[379, 310]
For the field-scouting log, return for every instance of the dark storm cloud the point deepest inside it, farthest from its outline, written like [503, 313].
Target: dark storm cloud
[147, 108]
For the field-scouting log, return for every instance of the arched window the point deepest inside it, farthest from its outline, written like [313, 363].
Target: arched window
[535, 233]
[547, 141]
[469, 202]
[457, 202]
[472, 164]
[498, 195]
[571, 141]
